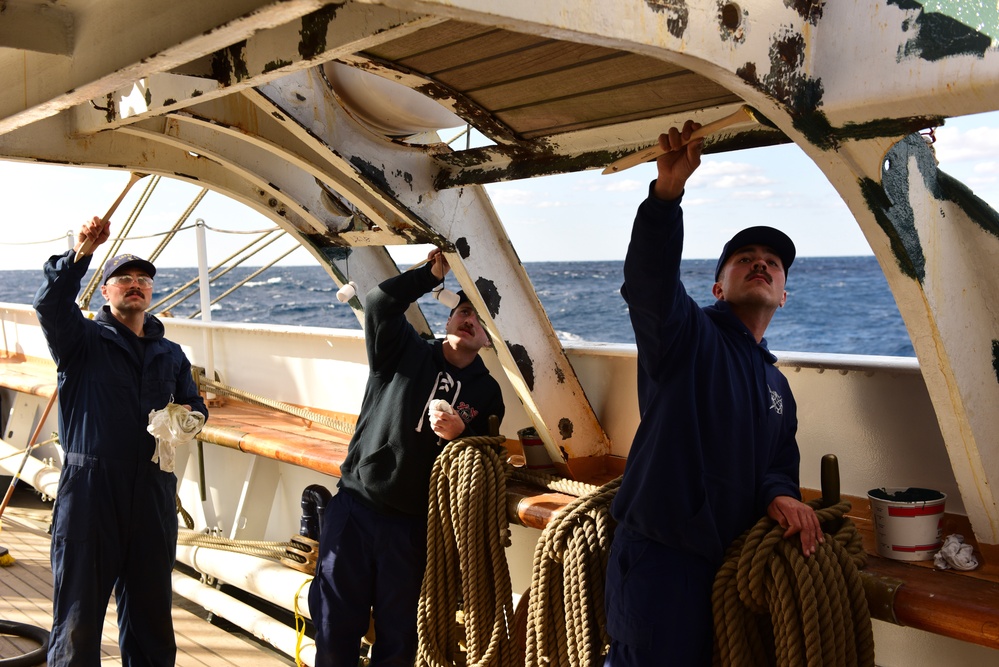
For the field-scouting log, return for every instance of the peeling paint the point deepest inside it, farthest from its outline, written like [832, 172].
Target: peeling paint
[461, 245]
[229, 64]
[995, 357]
[565, 428]
[374, 174]
[938, 35]
[278, 116]
[275, 65]
[490, 295]
[524, 363]
[149, 97]
[314, 29]
[677, 15]
[559, 375]
[197, 93]
[730, 21]
[809, 10]
[977, 209]
[168, 101]
[890, 203]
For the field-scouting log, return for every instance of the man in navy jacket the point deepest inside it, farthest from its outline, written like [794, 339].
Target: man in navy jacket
[716, 446]
[373, 541]
[114, 524]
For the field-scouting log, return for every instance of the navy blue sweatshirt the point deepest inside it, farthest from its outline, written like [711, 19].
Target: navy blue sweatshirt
[716, 443]
[391, 455]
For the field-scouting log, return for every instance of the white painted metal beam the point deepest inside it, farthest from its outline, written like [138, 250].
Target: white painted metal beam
[33, 26]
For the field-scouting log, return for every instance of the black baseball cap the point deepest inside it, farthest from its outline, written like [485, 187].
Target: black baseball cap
[120, 262]
[780, 242]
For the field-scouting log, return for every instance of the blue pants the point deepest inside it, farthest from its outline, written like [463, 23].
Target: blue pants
[114, 527]
[658, 602]
[370, 564]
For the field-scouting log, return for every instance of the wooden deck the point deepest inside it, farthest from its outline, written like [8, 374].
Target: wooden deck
[26, 597]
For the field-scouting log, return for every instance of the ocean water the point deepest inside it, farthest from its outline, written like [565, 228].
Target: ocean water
[835, 304]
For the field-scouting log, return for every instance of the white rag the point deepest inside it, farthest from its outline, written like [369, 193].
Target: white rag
[173, 425]
[955, 554]
[440, 405]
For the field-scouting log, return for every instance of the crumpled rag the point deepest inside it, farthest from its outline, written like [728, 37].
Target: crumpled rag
[173, 425]
[955, 554]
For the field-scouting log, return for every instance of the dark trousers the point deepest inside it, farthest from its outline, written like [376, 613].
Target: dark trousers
[658, 602]
[114, 527]
[370, 564]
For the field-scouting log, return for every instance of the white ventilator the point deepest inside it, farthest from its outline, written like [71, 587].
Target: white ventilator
[173, 425]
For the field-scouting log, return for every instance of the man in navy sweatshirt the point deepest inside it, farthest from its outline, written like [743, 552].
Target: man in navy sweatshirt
[373, 541]
[715, 448]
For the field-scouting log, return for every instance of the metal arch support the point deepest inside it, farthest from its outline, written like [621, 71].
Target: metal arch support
[401, 179]
[143, 150]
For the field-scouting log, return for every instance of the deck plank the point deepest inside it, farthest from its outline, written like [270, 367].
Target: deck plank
[26, 597]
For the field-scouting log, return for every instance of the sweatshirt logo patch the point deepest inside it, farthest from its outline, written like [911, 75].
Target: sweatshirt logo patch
[776, 401]
[466, 411]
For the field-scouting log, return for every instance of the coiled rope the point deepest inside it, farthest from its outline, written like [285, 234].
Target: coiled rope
[773, 606]
[467, 531]
[566, 622]
[339, 425]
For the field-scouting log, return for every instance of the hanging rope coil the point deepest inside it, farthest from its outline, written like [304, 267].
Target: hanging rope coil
[215, 387]
[467, 572]
[566, 622]
[773, 606]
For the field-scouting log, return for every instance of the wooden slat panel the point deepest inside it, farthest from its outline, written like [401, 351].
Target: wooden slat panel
[428, 39]
[597, 109]
[541, 58]
[482, 48]
[591, 80]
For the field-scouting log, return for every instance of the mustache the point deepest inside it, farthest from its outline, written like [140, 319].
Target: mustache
[761, 272]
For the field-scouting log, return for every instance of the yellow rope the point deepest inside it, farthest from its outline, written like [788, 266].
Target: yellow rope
[467, 530]
[269, 550]
[220, 388]
[299, 624]
[773, 606]
[566, 623]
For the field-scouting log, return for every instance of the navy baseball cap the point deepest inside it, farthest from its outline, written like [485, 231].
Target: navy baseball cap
[462, 298]
[780, 242]
[120, 262]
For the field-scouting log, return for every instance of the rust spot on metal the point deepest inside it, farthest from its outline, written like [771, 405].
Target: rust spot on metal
[314, 29]
[524, 363]
[565, 428]
[730, 17]
[559, 375]
[490, 295]
[168, 101]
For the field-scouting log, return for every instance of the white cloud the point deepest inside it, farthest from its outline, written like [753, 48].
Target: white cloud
[626, 186]
[726, 175]
[956, 145]
[510, 196]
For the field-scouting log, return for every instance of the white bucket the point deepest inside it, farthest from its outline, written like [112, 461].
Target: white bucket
[909, 521]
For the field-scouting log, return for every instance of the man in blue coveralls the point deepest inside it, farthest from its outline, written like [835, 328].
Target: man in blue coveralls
[716, 446]
[373, 541]
[114, 525]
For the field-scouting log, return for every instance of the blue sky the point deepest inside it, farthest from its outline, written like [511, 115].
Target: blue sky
[585, 216]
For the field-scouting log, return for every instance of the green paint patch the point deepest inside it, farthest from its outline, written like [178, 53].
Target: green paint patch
[977, 209]
[314, 28]
[947, 28]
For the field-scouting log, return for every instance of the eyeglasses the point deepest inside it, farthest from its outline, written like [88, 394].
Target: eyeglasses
[126, 280]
